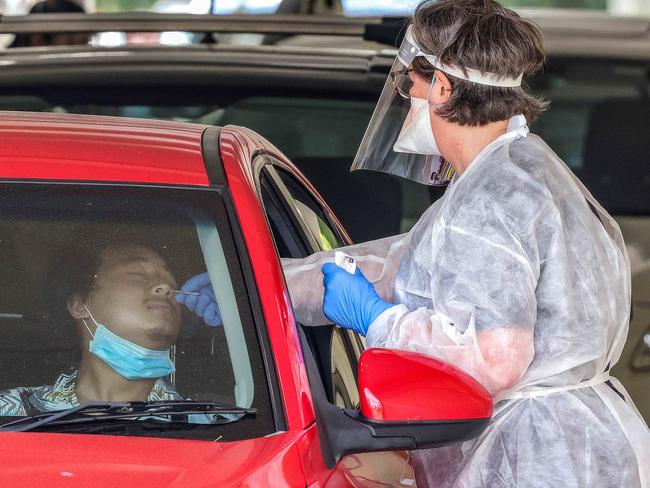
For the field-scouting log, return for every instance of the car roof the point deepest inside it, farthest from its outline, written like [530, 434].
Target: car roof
[343, 64]
[567, 32]
[46, 146]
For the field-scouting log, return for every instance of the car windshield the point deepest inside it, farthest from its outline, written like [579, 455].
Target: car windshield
[88, 309]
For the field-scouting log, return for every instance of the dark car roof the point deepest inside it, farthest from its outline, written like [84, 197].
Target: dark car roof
[350, 63]
[95, 148]
[567, 32]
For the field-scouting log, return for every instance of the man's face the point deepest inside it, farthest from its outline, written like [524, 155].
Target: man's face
[129, 297]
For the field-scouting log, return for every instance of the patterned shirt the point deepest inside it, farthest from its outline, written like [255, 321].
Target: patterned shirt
[23, 401]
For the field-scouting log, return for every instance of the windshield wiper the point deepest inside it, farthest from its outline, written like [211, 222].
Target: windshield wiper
[101, 411]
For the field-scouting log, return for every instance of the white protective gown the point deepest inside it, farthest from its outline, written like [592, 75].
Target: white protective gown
[512, 277]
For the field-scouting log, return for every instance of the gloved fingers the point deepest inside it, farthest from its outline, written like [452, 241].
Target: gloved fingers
[333, 274]
[328, 309]
[196, 282]
[329, 268]
[208, 290]
[202, 304]
[212, 316]
[190, 301]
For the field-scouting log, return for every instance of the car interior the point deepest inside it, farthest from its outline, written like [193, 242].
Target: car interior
[37, 347]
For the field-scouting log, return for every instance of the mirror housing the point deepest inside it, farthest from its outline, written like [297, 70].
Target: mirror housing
[408, 401]
[406, 386]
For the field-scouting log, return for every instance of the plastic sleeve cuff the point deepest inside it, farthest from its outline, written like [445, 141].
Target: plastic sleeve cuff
[380, 328]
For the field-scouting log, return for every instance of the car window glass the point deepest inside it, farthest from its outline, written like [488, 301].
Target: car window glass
[343, 356]
[75, 262]
[284, 231]
[345, 393]
[312, 214]
[597, 109]
[576, 91]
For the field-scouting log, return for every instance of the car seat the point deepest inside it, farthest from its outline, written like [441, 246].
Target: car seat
[35, 352]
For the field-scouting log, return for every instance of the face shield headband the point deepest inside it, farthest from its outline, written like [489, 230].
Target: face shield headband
[398, 116]
[409, 50]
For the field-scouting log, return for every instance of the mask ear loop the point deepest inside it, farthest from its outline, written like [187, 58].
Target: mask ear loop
[93, 319]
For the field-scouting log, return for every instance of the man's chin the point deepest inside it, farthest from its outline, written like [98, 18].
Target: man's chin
[162, 336]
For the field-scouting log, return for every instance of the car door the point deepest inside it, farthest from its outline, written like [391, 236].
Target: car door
[302, 225]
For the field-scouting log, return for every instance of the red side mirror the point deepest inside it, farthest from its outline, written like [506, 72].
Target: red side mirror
[408, 401]
[401, 386]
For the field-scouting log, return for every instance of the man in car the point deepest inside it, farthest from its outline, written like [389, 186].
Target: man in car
[119, 302]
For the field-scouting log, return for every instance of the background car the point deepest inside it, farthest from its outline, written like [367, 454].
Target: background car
[311, 90]
[306, 406]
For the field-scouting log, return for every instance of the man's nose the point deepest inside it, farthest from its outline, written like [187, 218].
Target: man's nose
[162, 289]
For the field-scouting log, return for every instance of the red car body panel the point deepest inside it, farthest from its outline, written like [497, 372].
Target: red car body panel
[73, 460]
[237, 152]
[95, 148]
[365, 470]
[107, 149]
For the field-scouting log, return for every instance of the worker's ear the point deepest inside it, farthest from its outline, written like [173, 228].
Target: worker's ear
[441, 89]
[77, 308]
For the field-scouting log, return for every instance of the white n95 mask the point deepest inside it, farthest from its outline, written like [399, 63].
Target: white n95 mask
[416, 136]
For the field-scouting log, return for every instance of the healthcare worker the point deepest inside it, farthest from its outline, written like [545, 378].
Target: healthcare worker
[516, 275]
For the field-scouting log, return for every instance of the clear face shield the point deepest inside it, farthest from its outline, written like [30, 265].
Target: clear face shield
[399, 139]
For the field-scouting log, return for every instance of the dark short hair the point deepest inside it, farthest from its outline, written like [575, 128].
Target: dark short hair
[485, 36]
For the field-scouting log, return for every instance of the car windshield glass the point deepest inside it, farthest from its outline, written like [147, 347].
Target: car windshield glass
[90, 312]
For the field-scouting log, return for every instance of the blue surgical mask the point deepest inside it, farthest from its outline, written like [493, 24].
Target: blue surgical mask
[129, 359]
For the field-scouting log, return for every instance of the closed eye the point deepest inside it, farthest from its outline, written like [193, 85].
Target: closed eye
[139, 275]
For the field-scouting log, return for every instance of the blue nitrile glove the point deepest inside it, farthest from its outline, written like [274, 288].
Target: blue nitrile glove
[350, 300]
[205, 304]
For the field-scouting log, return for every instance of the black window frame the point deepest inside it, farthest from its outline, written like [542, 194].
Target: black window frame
[320, 339]
[293, 186]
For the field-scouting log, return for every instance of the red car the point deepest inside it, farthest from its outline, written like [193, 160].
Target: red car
[285, 405]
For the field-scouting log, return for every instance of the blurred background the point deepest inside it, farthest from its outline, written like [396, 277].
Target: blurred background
[342, 7]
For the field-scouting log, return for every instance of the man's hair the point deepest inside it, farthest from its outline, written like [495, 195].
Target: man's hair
[482, 35]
